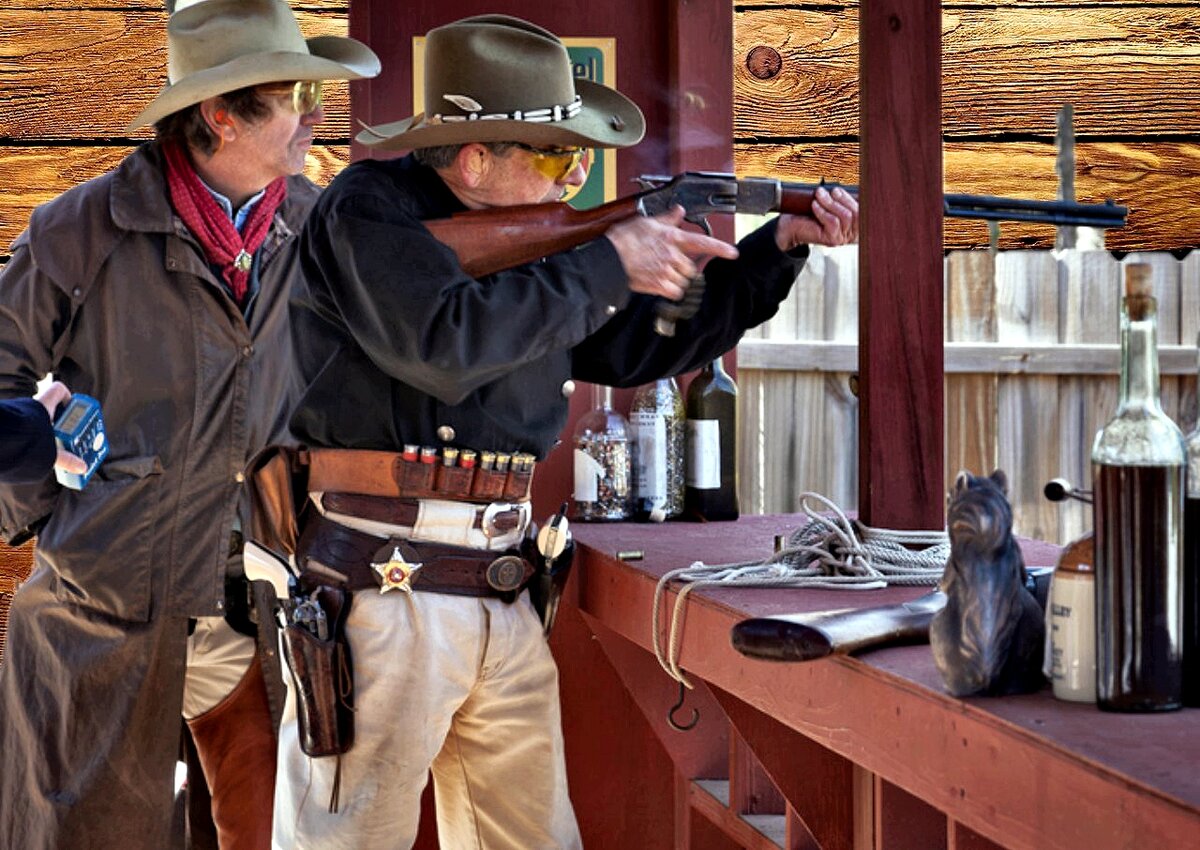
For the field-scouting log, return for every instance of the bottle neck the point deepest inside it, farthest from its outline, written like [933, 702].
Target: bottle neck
[717, 367]
[1139, 362]
[602, 397]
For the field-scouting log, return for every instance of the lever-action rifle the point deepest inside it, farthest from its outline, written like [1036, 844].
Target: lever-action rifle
[499, 238]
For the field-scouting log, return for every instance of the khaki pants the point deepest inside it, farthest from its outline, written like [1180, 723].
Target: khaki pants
[463, 685]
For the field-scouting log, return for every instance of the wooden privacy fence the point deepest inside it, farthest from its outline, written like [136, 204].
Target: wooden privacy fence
[1031, 360]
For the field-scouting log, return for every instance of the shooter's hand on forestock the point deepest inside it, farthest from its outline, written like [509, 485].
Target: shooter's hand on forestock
[834, 221]
[659, 256]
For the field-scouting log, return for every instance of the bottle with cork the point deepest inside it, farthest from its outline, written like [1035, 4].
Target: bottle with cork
[1138, 462]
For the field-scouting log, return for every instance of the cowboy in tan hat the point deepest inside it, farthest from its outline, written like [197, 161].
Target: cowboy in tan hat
[160, 289]
[400, 351]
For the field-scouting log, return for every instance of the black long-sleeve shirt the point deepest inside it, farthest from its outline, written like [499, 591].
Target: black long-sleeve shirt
[26, 441]
[394, 341]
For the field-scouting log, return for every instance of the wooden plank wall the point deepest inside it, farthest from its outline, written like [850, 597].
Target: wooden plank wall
[73, 74]
[1131, 70]
[799, 419]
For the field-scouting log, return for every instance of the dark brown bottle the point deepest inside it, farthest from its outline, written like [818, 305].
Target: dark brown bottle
[712, 440]
[1191, 571]
[1191, 588]
[1138, 462]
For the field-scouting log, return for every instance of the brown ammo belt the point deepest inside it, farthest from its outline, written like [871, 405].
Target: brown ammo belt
[333, 554]
[405, 512]
[376, 473]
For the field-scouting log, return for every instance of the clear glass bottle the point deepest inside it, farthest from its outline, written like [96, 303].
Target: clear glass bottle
[1138, 462]
[712, 438]
[603, 462]
[657, 418]
[1191, 569]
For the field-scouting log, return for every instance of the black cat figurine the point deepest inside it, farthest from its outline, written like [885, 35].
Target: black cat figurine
[990, 637]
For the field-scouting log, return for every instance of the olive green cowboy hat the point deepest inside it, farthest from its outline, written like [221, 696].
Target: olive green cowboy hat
[219, 46]
[494, 78]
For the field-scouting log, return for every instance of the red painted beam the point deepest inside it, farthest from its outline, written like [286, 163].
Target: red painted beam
[900, 265]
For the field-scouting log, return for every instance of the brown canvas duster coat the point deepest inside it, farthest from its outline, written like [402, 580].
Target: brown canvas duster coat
[109, 291]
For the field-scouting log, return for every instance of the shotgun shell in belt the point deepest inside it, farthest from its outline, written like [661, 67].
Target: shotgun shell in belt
[502, 461]
[410, 453]
[467, 459]
[449, 457]
[428, 454]
[487, 460]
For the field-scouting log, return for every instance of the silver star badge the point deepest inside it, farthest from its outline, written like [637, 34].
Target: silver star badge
[395, 573]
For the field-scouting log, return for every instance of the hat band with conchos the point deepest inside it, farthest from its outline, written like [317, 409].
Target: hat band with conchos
[495, 78]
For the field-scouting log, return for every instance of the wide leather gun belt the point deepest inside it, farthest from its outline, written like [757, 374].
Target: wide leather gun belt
[427, 476]
[332, 554]
[494, 519]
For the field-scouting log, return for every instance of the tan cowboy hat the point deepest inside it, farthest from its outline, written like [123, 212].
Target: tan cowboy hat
[494, 78]
[219, 46]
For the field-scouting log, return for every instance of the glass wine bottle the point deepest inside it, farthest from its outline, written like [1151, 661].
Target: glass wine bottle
[711, 491]
[657, 418]
[603, 462]
[1138, 462]
[1191, 569]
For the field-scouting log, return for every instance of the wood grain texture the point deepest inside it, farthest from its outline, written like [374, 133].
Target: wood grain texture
[34, 175]
[1027, 312]
[1004, 70]
[971, 441]
[69, 74]
[1158, 181]
[15, 565]
[900, 314]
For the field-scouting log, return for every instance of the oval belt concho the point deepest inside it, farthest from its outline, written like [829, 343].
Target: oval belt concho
[506, 573]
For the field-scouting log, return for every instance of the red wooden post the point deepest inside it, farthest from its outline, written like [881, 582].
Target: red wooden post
[900, 313]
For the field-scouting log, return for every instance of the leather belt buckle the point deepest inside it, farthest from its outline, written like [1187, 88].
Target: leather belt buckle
[500, 518]
[505, 573]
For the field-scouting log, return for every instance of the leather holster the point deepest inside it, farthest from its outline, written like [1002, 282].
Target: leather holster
[323, 677]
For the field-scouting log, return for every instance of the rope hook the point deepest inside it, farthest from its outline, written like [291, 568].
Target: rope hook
[675, 724]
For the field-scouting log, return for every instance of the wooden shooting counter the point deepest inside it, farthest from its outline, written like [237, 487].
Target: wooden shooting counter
[860, 753]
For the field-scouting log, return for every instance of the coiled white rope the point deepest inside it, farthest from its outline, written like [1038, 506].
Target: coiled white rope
[828, 552]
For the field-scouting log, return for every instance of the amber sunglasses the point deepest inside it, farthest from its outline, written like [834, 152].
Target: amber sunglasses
[305, 94]
[555, 163]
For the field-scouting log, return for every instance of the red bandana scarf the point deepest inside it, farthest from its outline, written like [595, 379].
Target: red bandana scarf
[231, 251]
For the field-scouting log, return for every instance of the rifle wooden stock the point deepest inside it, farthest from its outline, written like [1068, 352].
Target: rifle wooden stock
[807, 637]
[499, 238]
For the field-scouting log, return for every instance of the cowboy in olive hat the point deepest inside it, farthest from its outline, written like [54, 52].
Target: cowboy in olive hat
[402, 353]
[219, 46]
[160, 289]
[494, 78]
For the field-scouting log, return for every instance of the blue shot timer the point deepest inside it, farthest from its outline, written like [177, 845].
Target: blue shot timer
[80, 430]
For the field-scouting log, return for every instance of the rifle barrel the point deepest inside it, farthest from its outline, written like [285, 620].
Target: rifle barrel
[1062, 213]
[797, 197]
